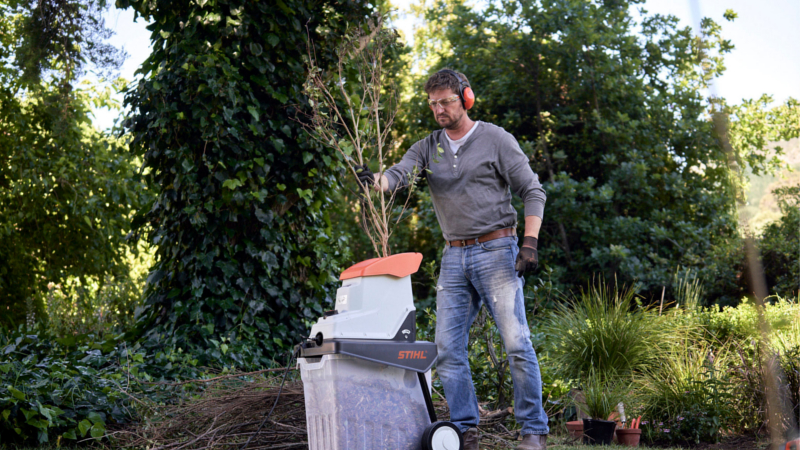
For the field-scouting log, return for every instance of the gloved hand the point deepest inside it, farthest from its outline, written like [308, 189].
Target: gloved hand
[365, 176]
[528, 256]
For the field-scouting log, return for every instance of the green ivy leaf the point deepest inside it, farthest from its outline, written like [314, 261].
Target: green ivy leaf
[29, 414]
[284, 8]
[232, 183]
[98, 431]
[95, 418]
[253, 112]
[256, 49]
[84, 426]
[16, 393]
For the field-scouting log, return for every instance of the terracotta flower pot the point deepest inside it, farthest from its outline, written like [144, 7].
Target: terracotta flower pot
[575, 429]
[629, 436]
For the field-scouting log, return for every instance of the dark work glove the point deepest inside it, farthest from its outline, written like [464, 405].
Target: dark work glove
[365, 177]
[528, 256]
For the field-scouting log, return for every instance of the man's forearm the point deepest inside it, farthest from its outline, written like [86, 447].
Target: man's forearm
[532, 225]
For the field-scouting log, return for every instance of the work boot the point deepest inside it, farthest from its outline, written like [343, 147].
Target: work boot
[533, 442]
[471, 439]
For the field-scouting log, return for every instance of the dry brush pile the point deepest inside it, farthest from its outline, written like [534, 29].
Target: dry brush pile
[227, 411]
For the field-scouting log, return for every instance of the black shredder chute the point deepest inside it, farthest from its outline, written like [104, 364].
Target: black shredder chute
[367, 393]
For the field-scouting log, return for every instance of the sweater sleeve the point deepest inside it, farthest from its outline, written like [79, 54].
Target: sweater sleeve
[514, 168]
[413, 162]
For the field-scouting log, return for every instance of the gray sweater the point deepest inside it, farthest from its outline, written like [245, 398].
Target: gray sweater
[470, 190]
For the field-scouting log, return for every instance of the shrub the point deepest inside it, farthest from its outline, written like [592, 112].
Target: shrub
[246, 248]
[52, 388]
[780, 246]
[73, 387]
[740, 323]
[790, 363]
[76, 309]
[687, 397]
[605, 329]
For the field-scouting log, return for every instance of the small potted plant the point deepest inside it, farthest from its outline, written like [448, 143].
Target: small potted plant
[601, 394]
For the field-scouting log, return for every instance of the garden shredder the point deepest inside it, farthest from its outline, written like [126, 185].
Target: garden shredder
[365, 376]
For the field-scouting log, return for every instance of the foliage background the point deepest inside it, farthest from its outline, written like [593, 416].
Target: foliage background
[246, 249]
[207, 233]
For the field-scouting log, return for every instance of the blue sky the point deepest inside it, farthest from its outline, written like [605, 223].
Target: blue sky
[766, 35]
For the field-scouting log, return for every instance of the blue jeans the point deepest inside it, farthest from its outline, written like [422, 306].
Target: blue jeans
[471, 276]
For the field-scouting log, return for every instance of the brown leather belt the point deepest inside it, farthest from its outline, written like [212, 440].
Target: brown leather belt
[497, 234]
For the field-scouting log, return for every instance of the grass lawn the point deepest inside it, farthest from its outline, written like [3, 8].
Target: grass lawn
[554, 442]
[564, 443]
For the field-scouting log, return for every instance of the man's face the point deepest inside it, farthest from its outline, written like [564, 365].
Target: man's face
[447, 110]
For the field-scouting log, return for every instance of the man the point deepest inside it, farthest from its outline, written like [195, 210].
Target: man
[470, 167]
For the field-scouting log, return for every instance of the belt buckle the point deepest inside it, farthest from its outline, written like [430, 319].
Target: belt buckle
[463, 242]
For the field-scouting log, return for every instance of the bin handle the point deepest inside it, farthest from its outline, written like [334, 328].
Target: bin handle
[423, 382]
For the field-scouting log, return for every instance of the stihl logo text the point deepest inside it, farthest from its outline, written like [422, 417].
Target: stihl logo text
[419, 354]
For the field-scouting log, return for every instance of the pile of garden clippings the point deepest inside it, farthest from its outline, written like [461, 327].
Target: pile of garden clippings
[227, 411]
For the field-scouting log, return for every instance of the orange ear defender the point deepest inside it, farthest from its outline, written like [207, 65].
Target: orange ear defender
[467, 97]
[466, 94]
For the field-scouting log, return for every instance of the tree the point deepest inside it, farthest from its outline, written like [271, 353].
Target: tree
[780, 246]
[67, 190]
[615, 123]
[246, 250]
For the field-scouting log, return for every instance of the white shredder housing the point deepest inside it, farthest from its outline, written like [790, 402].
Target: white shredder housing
[370, 307]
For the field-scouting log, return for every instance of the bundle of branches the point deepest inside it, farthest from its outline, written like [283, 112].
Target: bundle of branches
[227, 412]
[352, 109]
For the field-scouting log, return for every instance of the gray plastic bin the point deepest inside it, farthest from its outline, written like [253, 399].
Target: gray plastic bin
[356, 404]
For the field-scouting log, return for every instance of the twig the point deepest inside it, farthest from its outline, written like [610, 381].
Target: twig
[223, 377]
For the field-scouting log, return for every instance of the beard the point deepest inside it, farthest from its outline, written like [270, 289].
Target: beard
[449, 121]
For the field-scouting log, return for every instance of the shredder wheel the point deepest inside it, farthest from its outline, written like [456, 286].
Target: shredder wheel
[442, 436]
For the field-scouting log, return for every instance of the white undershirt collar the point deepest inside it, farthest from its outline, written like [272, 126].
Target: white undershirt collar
[455, 145]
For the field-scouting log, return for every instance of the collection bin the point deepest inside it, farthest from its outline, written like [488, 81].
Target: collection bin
[354, 404]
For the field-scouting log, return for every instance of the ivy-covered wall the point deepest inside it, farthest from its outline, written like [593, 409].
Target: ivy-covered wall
[246, 250]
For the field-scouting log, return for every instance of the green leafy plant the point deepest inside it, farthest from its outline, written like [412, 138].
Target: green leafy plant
[48, 389]
[246, 250]
[790, 363]
[688, 291]
[780, 245]
[604, 329]
[67, 190]
[72, 222]
[601, 392]
[688, 396]
[57, 389]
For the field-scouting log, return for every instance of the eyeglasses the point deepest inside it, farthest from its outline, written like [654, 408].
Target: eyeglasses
[442, 102]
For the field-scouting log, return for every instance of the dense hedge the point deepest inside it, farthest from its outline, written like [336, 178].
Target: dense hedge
[246, 249]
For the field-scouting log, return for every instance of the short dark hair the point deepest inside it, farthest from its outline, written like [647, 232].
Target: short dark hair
[444, 79]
